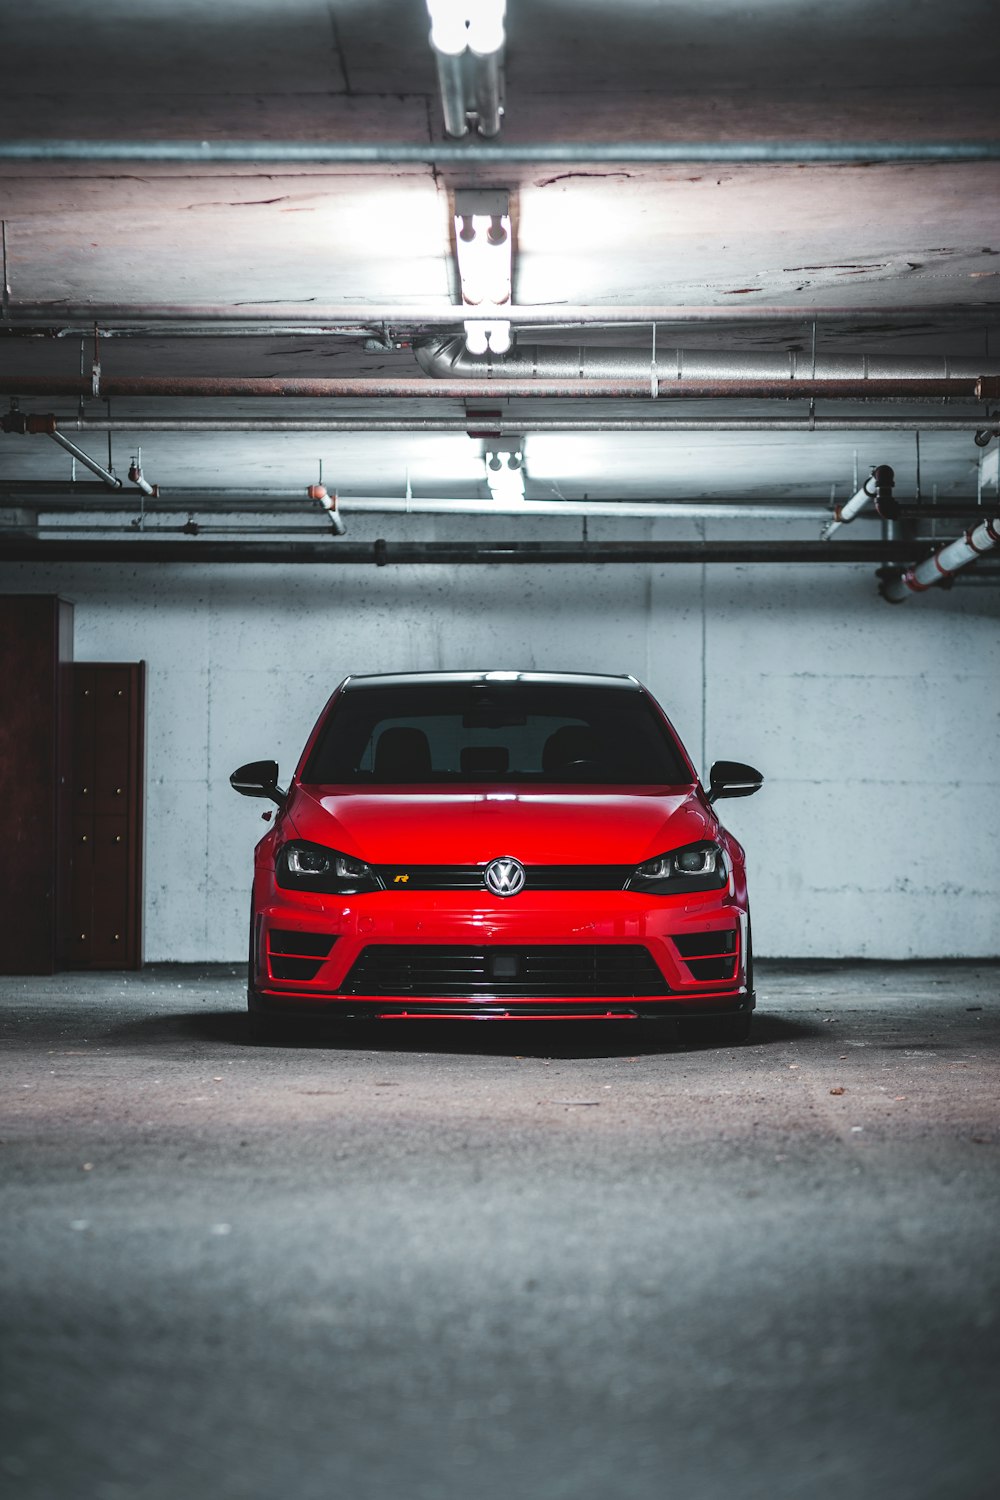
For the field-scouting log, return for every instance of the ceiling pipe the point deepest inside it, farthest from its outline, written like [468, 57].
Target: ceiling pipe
[718, 510]
[137, 477]
[268, 318]
[487, 389]
[843, 514]
[878, 487]
[18, 548]
[330, 506]
[513, 426]
[568, 153]
[500, 426]
[83, 499]
[943, 564]
[84, 458]
[449, 359]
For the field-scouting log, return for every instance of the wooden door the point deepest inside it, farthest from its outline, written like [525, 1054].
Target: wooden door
[105, 917]
[36, 649]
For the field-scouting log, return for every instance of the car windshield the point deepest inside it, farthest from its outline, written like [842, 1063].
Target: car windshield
[462, 732]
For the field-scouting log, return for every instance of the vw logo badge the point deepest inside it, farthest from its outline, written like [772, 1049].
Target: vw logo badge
[504, 876]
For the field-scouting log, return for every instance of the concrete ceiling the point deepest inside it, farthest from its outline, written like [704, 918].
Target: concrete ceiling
[864, 237]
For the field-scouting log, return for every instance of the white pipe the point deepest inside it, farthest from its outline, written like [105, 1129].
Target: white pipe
[137, 478]
[846, 512]
[943, 563]
[329, 503]
[378, 505]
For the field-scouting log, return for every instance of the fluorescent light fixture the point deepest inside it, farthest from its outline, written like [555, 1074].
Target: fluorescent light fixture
[486, 29]
[505, 472]
[476, 24]
[483, 251]
[480, 336]
[449, 26]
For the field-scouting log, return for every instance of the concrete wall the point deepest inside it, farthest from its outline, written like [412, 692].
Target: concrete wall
[878, 828]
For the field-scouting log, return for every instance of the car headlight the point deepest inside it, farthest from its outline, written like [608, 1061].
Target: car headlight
[310, 867]
[695, 867]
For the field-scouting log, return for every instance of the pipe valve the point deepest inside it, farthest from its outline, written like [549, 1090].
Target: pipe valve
[884, 479]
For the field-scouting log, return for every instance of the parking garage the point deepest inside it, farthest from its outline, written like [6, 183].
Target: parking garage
[350, 341]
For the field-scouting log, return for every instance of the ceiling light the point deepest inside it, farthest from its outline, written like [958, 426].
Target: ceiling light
[480, 336]
[476, 24]
[505, 471]
[486, 30]
[468, 40]
[449, 25]
[484, 254]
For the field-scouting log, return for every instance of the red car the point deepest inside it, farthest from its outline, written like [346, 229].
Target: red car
[499, 845]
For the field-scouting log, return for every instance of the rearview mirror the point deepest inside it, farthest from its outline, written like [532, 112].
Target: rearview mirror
[258, 779]
[731, 778]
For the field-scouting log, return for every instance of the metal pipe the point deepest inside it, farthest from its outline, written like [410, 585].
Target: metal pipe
[267, 317]
[449, 359]
[625, 388]
[514, 426]
[218, 330]
[501, 426]
[30, 549]
[85, 459]
[569, 153]
[944, 563]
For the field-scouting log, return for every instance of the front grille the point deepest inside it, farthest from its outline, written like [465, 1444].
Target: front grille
[537, 877]
[548, 971]
[709, 955]
[297, 955]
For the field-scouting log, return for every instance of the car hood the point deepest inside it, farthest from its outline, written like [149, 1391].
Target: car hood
[471, 825]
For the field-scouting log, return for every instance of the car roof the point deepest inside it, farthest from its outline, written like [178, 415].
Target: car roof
[436, 679]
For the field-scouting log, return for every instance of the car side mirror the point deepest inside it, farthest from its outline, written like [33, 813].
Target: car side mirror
[731, 778]
[258, 779]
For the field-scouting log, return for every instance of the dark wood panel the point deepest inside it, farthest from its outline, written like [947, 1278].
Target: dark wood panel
[35, 648]
[105, 930]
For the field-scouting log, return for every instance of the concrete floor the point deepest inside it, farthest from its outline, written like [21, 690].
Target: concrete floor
[475, 1260]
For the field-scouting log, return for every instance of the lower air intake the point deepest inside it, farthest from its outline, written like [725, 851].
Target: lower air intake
[551, 971]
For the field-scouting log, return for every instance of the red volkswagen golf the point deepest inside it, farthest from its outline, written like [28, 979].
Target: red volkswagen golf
[499, 845]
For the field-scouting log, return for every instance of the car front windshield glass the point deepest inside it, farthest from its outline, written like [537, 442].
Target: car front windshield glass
[459, 733]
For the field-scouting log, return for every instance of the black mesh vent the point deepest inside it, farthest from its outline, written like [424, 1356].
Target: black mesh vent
[706, 944]
[550, 970]
[294, 968]
[537, 877]
[304, 944]
[712, 968]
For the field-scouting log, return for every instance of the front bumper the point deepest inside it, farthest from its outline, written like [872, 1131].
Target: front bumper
[295, 971]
